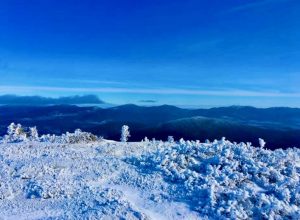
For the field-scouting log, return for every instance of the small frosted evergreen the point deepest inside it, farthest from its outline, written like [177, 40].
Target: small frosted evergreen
[262, 142]
[125, 134]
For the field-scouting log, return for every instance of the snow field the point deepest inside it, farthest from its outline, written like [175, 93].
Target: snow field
[80, 176]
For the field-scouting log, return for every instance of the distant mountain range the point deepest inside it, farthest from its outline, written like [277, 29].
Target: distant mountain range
[38, 100]
[280, 127]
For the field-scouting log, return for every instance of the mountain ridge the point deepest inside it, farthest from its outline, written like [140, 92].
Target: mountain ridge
[280, 127]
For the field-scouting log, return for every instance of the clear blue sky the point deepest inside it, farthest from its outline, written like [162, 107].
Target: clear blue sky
[191, 52]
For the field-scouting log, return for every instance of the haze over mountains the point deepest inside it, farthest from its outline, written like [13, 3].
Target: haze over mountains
[280, 127]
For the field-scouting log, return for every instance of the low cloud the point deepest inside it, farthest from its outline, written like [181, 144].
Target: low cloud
[38, 100]
[148, 101]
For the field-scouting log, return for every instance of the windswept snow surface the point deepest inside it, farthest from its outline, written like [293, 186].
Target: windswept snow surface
[148, 180]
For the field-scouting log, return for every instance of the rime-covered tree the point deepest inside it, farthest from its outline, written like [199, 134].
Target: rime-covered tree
[262, 142]
[34, 133]
[125, 134]
[11, 129]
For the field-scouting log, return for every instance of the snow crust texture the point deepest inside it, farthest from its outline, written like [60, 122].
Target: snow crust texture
[67, 178]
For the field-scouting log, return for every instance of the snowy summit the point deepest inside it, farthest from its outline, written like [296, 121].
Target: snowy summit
[81, 176]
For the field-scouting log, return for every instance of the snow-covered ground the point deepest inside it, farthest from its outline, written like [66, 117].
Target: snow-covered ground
[54, 178]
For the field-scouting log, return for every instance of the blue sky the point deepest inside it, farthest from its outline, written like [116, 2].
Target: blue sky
[192, 52]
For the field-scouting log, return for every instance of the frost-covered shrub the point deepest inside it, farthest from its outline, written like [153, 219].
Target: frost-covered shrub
[182, 141]
[78, 137]
[32, 190]
[125, 134]
[170, 139]
[17, 133]
[50, 138]
[229, 180]
[146, 140]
